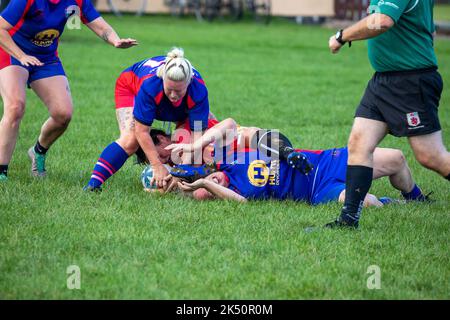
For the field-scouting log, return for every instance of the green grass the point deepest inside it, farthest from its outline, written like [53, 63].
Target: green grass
[133, 245]
[442, 12]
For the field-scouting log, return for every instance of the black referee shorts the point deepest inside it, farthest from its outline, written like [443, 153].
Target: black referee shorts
[406, 101]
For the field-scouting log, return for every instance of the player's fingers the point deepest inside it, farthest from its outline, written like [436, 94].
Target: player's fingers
[187, 184]
[171, 146]
[172, 186]
[35, 61]
[183, 187]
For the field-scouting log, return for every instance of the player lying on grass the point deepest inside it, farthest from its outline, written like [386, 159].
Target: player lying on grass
[219, 142]
[312, 176]
[253, 176]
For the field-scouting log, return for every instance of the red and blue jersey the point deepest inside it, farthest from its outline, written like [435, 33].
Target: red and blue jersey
[255, 176]
[152, 104]
[38, 24]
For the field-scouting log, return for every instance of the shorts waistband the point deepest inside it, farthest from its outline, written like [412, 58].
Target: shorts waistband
[406, 72]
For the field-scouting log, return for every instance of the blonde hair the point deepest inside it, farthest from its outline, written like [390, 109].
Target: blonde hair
[176, 67]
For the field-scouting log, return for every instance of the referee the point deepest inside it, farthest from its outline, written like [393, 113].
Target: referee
[401, 99]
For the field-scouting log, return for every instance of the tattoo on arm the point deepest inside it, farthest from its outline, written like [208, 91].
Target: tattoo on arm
[106, 34]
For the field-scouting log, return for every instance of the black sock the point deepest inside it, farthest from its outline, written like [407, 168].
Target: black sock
[38, 148]
[448, 177]
[4, 169]
[359, 180]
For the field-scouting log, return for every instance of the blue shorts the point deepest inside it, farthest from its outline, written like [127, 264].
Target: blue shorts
[329, 180]
[52, 66]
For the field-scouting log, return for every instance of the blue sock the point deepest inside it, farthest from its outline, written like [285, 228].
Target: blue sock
[386, 200]
[110, 161]
[414, 194]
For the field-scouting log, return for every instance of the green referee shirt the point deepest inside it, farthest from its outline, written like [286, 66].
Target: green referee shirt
[408, 45]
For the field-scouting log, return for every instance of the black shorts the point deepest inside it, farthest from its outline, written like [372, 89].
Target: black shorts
[406, 101]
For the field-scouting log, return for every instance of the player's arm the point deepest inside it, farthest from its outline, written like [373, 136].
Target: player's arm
[382, 18]
[102, 29]
[10, 17]
[144, 114]
[160, 172]
[223, 133]
[8, 44]
[220, 192]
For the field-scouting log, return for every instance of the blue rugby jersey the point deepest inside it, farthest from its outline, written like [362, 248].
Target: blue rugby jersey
[38, 24]
[255, 177]
[152, 104]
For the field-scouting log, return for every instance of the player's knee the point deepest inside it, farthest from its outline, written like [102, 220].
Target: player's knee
[129, 143]
[398, 159]
[429, 161]
[355, 144]
[63, 117]
[357, 148]
[14, 111]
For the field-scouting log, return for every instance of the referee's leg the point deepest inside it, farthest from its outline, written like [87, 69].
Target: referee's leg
[430, 151]
[365, 136]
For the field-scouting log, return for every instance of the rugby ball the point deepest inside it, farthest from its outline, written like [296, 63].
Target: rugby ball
[146, 178]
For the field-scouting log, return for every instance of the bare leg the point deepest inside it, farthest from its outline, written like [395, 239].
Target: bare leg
[430, 151]
[392, 163]
[365, 136]
[55, 94]
[369, 201]
[115, 154]
[13, 81]
[126, 123]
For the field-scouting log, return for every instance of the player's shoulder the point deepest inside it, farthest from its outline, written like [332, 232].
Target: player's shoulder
[150, 65]
[197, 89]
[153, 85]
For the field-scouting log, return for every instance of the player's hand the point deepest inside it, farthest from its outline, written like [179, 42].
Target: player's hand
[30, 61]
[334, 45]
[125, 43]
[182, 151]
[200, 183]
[180, 147]
[159, 174]
[172, 183]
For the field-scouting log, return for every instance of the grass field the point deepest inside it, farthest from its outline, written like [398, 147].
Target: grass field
[442, 12]
[132, 245]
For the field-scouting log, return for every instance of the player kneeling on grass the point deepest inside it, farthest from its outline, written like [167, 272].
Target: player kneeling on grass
[253, 175]
[165, 88]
